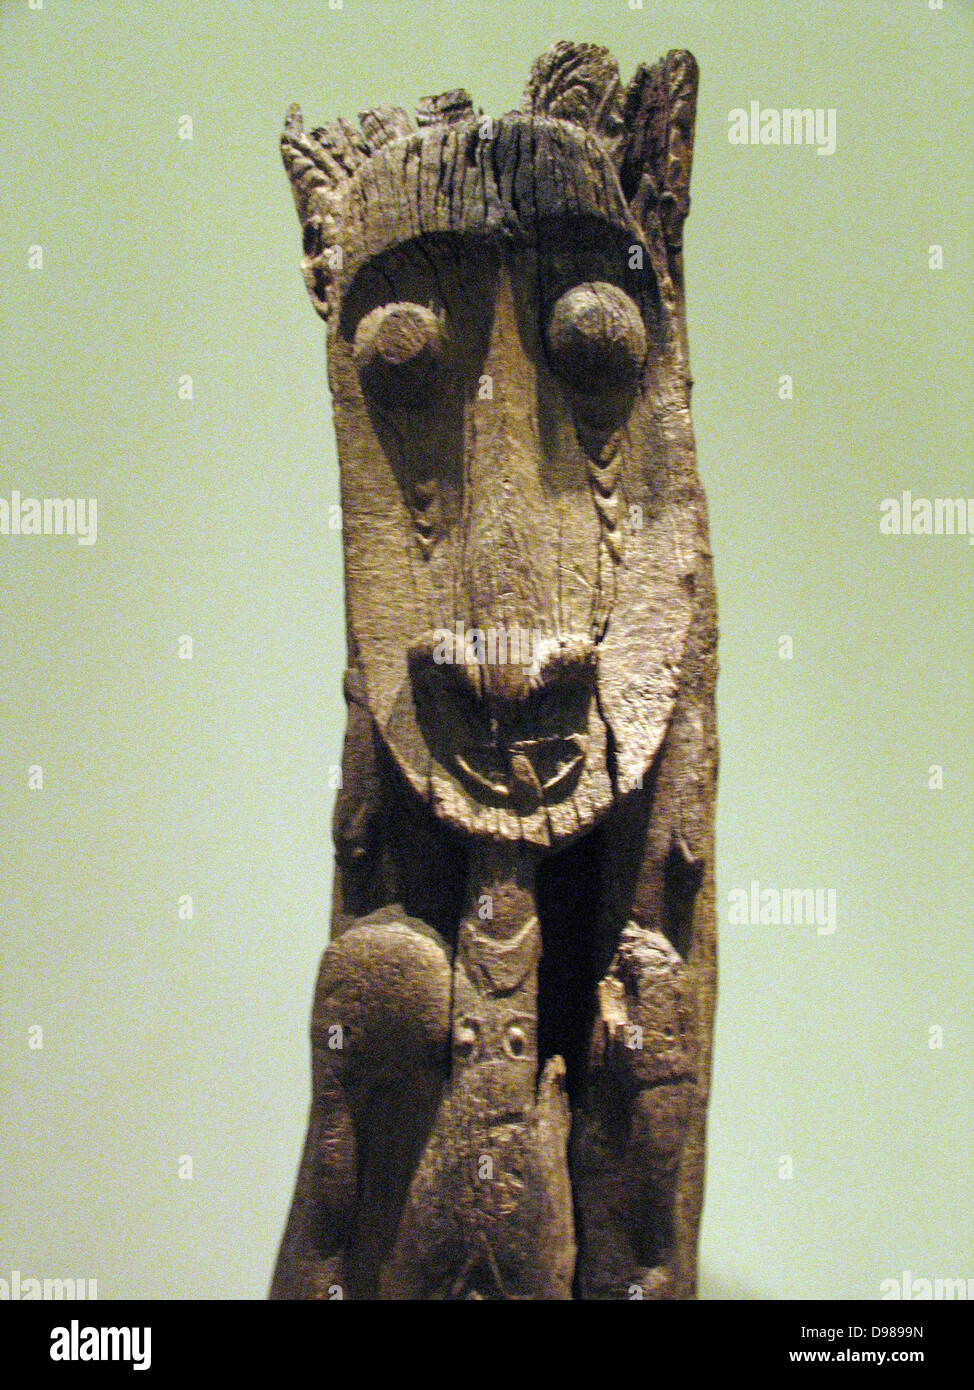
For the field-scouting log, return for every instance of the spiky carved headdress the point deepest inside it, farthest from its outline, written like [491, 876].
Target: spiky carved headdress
[361, 189]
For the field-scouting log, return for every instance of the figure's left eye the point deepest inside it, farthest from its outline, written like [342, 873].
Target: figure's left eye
[596, 339]
[397, 351]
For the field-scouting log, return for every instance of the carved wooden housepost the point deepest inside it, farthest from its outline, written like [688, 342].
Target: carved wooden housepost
[512, 1024]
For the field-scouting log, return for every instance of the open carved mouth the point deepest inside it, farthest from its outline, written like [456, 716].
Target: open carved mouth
[541, 768]
[518, 737]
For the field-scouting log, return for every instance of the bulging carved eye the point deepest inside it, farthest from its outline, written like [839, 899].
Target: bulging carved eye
[596, 339]
[397, 352]
[515, 1041]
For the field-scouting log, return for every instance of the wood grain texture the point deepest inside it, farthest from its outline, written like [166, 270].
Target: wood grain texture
[512, 1027]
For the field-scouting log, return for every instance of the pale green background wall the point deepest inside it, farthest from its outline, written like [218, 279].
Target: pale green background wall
[210, 777]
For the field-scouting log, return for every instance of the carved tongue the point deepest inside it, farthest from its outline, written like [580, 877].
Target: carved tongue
[525, 777]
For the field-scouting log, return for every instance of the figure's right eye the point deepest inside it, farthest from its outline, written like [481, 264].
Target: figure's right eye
[397, 351]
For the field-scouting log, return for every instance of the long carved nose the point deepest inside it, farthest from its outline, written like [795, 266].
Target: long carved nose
[508, 556]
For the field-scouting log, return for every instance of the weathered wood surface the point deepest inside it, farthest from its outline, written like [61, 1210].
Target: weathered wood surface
[512, 1026]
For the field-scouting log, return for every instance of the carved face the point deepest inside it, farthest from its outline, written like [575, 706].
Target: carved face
[516, 469]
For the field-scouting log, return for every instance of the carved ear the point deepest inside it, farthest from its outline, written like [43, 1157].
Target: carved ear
[657, 152]
[319, 164]
[647, 130]
[577, 82]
